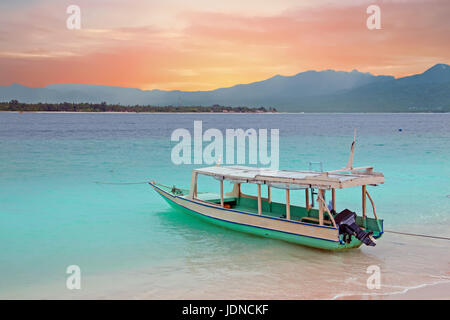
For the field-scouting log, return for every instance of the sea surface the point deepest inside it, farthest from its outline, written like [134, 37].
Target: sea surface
[129, 244]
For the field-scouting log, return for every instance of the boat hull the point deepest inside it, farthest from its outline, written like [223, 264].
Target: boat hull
[321, 237]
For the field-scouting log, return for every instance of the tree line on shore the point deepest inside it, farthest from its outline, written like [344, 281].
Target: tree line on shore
[15, 105]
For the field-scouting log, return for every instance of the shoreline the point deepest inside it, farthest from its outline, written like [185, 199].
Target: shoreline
[432, 291]
[129, 288]
[233, 113]
[131, 112]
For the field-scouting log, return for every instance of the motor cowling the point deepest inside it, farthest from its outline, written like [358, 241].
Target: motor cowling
[346, 221]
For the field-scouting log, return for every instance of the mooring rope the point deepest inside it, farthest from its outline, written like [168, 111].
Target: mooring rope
[417, 235]
[143, 182]
[140, 182]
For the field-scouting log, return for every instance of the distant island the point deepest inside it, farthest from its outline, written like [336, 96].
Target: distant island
[15, 105]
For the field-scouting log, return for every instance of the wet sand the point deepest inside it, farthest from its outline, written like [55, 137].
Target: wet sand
[410, 269]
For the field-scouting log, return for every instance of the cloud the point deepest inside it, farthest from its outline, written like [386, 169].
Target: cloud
[151, 44]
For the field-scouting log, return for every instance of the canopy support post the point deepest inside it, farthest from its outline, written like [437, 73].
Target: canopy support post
[321, 209]
[333, 198]
[288, 205]
[269, 198]
[193, 190]
[221, 193]
[307, 198]
[259, 199]
[364, 192]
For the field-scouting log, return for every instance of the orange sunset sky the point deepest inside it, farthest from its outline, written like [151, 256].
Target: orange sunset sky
[206, 44]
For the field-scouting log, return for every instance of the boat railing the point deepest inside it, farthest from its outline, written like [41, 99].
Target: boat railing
[322, 205]
[373, 205]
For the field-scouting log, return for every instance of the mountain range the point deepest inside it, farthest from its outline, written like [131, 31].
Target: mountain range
[310, 91]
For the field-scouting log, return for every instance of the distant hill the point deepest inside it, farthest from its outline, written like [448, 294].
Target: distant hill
[425, 92]
[310, 91]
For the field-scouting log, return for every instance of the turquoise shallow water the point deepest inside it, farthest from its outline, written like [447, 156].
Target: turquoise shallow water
[129, 244]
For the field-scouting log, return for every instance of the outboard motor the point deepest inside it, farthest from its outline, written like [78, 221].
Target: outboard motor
[346, 220]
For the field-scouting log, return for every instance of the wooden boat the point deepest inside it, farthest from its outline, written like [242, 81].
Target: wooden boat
[320, 227]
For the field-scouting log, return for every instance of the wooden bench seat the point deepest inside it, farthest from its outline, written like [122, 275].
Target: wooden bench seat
[325, 221]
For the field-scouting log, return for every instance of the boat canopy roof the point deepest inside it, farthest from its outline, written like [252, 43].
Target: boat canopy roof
[296, 179]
